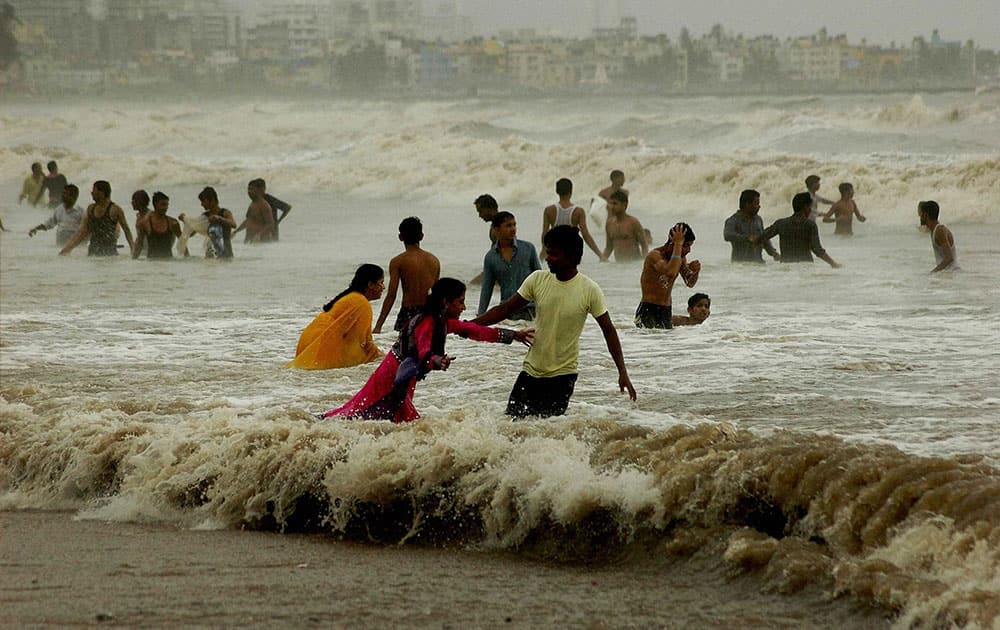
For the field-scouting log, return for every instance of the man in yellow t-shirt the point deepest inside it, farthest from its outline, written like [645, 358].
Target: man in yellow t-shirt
[563, 298]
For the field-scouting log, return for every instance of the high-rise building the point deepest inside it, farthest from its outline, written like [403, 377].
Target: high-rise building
[67, 28]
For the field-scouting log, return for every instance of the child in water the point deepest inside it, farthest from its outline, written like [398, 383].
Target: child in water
[843, 211]
[388, 394]
[699, 308]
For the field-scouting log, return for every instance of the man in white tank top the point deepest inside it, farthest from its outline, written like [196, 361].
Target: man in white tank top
[942, 240]
[565, 212]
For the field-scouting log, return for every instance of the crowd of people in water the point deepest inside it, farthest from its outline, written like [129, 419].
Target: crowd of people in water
[556, 301]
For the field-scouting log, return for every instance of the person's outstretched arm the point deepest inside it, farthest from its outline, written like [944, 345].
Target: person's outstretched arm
[502, 311]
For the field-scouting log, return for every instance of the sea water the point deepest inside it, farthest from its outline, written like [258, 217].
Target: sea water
[826, 429]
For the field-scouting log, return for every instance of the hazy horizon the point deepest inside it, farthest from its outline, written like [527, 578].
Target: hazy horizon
[880, 23]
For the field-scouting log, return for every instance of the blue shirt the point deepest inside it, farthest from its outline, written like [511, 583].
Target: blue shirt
[509, 275]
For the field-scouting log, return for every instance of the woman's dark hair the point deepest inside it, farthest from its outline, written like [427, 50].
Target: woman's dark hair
[142, 196]
[159, 196]
[445, 289]
[365, 275]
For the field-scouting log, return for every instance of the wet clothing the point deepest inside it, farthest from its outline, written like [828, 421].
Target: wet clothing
[159, 244]
[55, 185]
[939, 252]
[405, 314]
[649, 315]
[31, 189]
[509, 275]
[564, 216]
[220, 235]
[340, 337]
[103, 233]
[797, 236]
[276, 205]
[388, 394]
[68, 220]
[562, 309]
[738, 231]
[544, 397]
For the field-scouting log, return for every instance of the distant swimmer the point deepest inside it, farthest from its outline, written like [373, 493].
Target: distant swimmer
[798, 234]
[419, 350]
[140, 203]
[744, 230]
[942, 240]
[565, 212]
[341, 335]
[101, 222]
[508, 263]
[487, 208]
[67, 217]
[812, 186]
[659, 272]
[617, 183]
[844, 211]
[31, 187]
[54, 183]
[157, 231]
[260, 223]
[699, 308]
[563, 298]
[416, 269]
[626, 237]
[215, 224]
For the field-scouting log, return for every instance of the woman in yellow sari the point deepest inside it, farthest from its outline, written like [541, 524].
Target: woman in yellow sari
[341, 336]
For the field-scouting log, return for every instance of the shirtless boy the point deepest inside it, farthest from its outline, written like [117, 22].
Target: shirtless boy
[417, 269]
[699, 308]
[260, 223]
[659, 272]
[565, 212]
[625, 235]
[617, 181]
[843, 211]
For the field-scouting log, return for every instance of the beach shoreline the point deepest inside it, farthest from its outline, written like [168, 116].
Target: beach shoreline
[61, 571]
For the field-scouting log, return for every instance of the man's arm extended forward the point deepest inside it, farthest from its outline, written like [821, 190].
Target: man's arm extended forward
[500, 312]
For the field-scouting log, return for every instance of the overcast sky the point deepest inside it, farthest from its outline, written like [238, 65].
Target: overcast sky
[880, 21]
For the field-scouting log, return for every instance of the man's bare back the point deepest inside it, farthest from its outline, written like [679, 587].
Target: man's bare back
[418, 271]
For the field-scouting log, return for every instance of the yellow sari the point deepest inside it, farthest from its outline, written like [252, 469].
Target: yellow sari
[340, 337]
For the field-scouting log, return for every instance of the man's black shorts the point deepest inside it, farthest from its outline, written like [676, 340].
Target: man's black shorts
[533, 396]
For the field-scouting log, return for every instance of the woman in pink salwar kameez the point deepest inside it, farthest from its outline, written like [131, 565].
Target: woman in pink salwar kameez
[388, 394]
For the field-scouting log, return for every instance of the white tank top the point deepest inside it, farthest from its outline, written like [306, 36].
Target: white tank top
[564, 216]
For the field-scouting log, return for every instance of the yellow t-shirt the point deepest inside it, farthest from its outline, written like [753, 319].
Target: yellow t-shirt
[30, 189]
[561, 310]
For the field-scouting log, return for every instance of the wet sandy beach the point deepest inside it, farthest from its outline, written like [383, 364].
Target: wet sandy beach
[57, 571]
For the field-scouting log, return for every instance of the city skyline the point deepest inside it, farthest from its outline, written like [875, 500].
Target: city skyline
[881, 23]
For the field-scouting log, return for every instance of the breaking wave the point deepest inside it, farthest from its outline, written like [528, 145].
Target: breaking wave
[913, 535]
